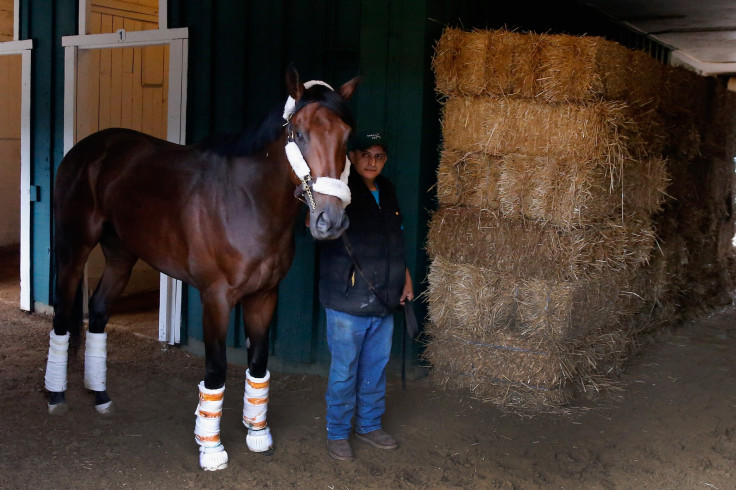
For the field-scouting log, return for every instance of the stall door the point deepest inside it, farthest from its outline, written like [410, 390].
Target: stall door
[123, 87]
[10, 117]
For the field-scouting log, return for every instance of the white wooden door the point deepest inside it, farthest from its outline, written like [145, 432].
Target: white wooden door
[166, 48]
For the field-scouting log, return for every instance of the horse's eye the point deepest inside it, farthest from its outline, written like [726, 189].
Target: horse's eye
[299, 135]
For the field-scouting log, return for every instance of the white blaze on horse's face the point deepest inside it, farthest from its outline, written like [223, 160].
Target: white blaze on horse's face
[317, 153]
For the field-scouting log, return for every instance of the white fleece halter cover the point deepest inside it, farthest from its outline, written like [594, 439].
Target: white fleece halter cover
[323, 185]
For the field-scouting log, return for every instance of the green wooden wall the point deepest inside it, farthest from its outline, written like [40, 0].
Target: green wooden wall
[45, 22]
[238, 55]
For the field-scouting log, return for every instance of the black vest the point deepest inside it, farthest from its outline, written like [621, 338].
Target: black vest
[378, 243]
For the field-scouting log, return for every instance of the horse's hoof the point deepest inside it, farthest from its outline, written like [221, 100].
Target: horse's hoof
[57, 403]
[212, 458]
[103, 404]
[105, 408]
[260, 441]
[58, 409]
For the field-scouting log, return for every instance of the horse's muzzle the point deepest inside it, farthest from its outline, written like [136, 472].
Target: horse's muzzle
[329, 223]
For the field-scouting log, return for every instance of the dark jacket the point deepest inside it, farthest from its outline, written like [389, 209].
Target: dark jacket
[378, 243]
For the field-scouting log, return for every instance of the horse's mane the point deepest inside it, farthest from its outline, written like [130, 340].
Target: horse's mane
[254, 139]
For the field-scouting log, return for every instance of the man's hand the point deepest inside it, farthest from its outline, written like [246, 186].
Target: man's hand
[408, 293]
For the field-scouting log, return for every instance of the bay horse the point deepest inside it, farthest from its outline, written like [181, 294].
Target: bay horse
[219, 216]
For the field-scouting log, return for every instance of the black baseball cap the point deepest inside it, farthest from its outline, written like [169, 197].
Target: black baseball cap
[366, 139]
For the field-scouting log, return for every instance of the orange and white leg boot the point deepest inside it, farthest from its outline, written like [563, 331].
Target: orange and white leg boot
[255, 407]
[212, 454]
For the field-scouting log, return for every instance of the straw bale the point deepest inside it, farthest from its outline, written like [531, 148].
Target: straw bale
[512, 377]
[684, 141]
[525, 376]
[720, 126]
[586, 68]
[568, 69]
[515, 64]
[443, 61]
[613, 61]
[553, 67]
[562, 192]
[475, 302]
[684, 93]
[471, 65]
[527, 249]
[646, 78]
[469, 179]
[572, 194]
[486, 62]
[644, 184]
[605, 131]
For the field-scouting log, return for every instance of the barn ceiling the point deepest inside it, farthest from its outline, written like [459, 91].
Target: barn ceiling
[701, 33]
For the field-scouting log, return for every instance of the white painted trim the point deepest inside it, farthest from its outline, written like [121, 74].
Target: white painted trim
[133, 38]
[16, 47]
[25, 181]
[70, 96]
[83, 16]
[170, 290]
[184, 88]
[680, 58]
[163, 14]
[16, 20]
[169, 312]
[24, 49]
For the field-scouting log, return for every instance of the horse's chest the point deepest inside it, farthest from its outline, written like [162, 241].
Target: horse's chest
[264, 273]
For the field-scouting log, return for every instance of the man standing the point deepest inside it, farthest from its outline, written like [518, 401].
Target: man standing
[353, 274]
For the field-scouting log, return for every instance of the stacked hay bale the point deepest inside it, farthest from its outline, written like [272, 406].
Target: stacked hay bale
[697, 225]
[551, 184]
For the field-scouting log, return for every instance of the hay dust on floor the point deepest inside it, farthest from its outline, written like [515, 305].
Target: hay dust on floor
[674, 425]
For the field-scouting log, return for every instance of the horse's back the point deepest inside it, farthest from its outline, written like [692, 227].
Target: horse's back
[110, 145]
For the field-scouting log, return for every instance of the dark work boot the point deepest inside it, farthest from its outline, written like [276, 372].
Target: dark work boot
[340, 449]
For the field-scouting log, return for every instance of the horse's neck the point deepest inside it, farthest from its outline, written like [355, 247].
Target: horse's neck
[264, 180]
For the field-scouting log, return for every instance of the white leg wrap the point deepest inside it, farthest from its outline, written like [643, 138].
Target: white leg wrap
[255, 407]
[212, 454]
[55, 378]
[95, 362]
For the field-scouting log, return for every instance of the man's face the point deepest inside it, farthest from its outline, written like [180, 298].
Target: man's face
[369, 162]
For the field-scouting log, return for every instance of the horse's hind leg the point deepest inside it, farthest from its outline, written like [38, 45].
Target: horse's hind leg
[257, 313]
[71, 255]
[119, 262]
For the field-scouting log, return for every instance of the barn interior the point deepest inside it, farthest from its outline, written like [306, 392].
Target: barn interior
[603, 283]
[112, 82]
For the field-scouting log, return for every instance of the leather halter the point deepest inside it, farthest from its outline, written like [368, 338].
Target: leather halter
[322, 185]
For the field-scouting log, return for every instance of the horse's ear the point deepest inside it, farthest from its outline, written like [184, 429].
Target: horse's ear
[293, 85]
[348, 88]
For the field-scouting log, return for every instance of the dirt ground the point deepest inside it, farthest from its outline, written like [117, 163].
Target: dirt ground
[673, 427]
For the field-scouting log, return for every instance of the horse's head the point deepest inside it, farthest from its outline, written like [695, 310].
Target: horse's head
[318, 126]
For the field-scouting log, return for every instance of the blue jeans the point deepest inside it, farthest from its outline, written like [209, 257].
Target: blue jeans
[360, 347]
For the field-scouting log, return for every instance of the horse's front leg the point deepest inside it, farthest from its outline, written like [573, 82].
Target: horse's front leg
[215, 311]
[257, 313]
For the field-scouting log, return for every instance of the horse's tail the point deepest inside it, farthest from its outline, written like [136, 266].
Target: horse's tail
[68, 312]
[75, 322]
